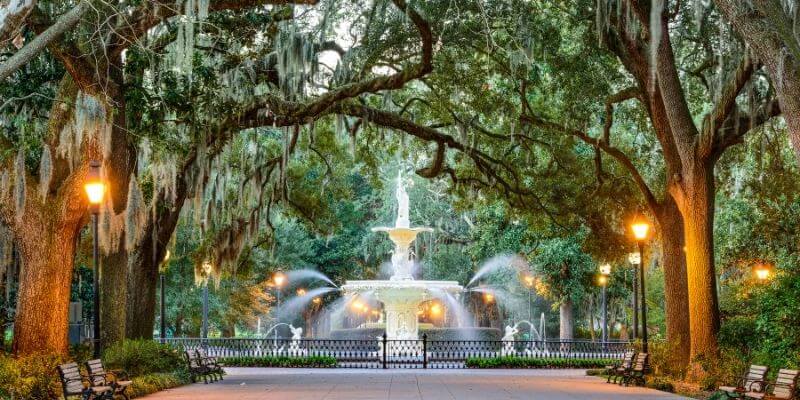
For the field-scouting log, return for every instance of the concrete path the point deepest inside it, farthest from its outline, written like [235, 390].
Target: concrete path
[355, 384]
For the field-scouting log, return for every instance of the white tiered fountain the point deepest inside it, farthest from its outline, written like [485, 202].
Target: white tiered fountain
[401, 295]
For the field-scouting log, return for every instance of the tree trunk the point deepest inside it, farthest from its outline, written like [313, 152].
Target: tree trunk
[676, 291]
[46, 248]
[567, 322]
[697, 208]
[113, 296]
[119, 165]
[591, 317]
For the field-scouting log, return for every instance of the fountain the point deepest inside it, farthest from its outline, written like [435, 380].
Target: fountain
[401, 294]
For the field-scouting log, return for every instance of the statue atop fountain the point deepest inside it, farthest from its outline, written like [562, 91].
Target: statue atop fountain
[401, 295]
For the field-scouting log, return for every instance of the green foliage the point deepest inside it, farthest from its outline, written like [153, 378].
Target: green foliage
[522, 362]
[565, 269]
[142, 357]
[33, 377]
[155, 382]
[660, 383]
[281, 362]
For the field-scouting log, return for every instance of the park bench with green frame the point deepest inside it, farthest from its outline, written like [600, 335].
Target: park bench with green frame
[751, 382]
[211, 363]
[74, 383]
[624, 363]
[116, 379]
[783, 388]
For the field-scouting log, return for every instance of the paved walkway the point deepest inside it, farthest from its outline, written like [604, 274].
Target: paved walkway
[354, 384]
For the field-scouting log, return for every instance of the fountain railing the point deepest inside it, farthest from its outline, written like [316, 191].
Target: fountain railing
[422, 353]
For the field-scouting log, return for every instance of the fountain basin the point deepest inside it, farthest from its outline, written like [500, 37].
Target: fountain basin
[401, 299]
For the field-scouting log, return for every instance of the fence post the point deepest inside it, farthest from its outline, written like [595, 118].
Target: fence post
[384, 350]
[425, 350]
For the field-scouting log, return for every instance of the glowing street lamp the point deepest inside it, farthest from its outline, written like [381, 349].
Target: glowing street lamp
[95, 191]
[763, 271]
[279, 279]
[301, 292]
[316, 300]
[640, 228]
[488, 298]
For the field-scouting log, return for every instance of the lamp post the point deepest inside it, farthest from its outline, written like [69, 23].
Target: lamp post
[162, 331]
[529, 283]
[640, 228]
[95, 191]
[207, 270]
[278, 280]
[605, 271]
[635, 259]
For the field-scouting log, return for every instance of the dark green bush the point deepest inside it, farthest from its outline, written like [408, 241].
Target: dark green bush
[522, 362]
[282, 362]
[143, 357]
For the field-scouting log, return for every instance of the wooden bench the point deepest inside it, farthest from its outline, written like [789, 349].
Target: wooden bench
[624, 363]
[73, 383]
[196, 366]
[637, 371]
[214, 367]
[751, 382]
[783, 388]
[117, 380]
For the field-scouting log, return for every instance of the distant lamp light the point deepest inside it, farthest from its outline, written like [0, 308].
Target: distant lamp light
[634, 258]
[279, 279]
[605, 269]
[95, 187]
[436, 310]
[763, 271]
[529, 281]
[316, 300]
[488, 298]
[357, 305]
[602, 280]
[640, 227]
[301, 292]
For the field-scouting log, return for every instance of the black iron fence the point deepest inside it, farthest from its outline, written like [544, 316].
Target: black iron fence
[422, 353]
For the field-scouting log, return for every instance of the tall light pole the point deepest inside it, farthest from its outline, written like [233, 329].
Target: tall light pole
[162, 331]
[278, 280]
[529, 283]
[207, 270]
[640, 228]
[635, 260]
[95, 191]
[605, 271]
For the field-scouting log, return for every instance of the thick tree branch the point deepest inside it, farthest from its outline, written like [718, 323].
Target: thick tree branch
[41, 41]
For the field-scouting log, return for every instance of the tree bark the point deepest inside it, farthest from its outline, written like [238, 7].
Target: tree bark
[113, 297]
[46, 246]
[697, 207]
[567, 322]
[676, 291]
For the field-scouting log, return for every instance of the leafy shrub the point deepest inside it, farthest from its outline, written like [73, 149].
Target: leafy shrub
[661, 383]
[282, 362]
[32, 377]
[151, 383]
[522, 362]
[143, 357]
[596, 372]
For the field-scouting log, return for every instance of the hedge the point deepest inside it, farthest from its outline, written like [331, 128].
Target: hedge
[281, 362]
[522, 362]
